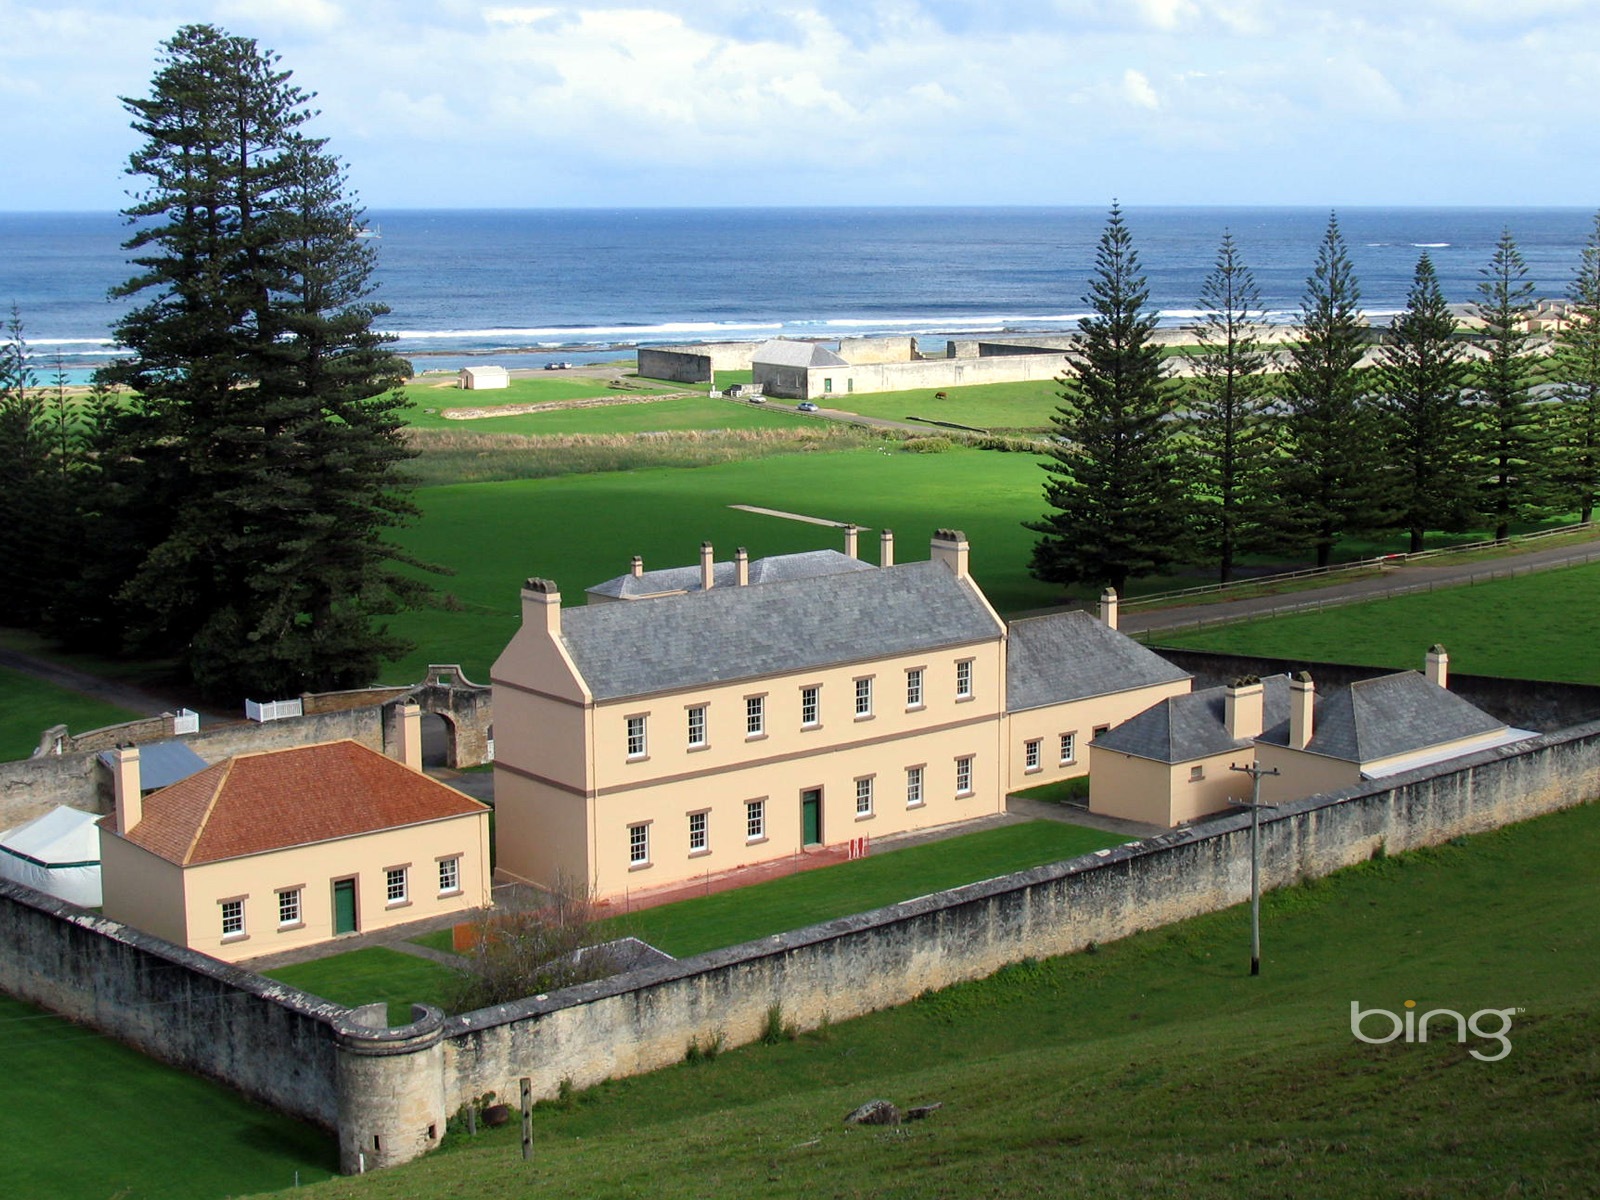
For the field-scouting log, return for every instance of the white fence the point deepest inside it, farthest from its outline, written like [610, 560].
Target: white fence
[186, 721]
[273, 710]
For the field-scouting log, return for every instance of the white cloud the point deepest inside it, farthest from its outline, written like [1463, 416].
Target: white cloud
[1136, 88]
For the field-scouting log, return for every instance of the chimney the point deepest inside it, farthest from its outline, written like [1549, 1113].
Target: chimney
[851, 532]
[708, 567]
[1438, 665]
[408, 725]
[950, 547]
[636, 568]
[1302, 696]
[125, 788]
[886, 548]
[541, 606]
[741, 567]
[1242, 708]
[1108, 607]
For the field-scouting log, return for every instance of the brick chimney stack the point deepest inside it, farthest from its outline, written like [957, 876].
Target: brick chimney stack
[126, 788]
[541, 605]
[886, 548]
[1108, 607]
[708, 567]
[1243, 708]
[1302, 699]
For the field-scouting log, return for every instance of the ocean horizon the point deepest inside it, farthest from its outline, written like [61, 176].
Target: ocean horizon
[584, 285]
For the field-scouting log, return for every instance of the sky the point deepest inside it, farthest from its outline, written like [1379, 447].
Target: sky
[665, 103]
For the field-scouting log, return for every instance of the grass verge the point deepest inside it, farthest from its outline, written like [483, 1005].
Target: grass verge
[372, 975]
[29, 706]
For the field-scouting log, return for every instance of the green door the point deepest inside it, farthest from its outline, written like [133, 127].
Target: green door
[811, 816]
[344, 906]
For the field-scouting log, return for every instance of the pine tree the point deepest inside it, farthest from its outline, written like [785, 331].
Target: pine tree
[1427, 429]
[1577, 375]
[1228, 433]
[24, 472]
[260, 454]
[1328, 472]
[1113, 486]
[1511, 443]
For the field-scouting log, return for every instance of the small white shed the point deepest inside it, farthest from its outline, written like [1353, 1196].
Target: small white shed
[58, 854]
[482, 379]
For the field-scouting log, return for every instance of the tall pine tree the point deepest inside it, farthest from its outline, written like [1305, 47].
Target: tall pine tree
[1328, 474]
[261, 450]
[1511, 443]
[1577, 375]
[1227, 432]
[1421, 400]
[1113, 478]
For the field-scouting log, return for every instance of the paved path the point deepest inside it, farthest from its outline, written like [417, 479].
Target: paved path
[1386, 581]
[145, 702]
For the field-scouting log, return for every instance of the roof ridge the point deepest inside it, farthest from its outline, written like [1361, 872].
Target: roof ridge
[200, 825]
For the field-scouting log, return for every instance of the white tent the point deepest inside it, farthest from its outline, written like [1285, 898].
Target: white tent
[58, 854]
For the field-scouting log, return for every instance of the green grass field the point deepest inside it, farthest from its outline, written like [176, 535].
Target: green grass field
[1027, 405]
[29, 706]
[372, 975]
[729, 918]
[92, 1119]
[678, 413]
[1154, 1067]
[1532, 627]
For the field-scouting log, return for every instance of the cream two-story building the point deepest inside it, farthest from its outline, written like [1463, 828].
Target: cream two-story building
[695, 720]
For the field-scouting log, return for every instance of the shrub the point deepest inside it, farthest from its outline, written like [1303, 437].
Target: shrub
[928, 445]
[522, 950]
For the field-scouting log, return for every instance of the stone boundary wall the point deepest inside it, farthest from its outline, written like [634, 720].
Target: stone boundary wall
[1520, 703]
[693, 364]
[395, 1088]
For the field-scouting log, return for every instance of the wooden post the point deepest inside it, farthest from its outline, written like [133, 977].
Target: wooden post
[472, 1120]
[527, 1119]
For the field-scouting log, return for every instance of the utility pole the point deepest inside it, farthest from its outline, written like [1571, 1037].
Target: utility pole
[1255, 771]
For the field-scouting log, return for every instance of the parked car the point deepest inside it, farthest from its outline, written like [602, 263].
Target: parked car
[806, 406]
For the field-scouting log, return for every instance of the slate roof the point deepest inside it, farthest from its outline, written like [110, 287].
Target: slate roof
[671, 581]
[1072, 656]
[160, 763]
[254, 803]
[1181, 728]
[732, 633]
[1390, 714]
[783, 352]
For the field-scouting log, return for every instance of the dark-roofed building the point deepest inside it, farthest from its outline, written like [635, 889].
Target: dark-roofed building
[799, 370]
[743, 712]
[267, 852]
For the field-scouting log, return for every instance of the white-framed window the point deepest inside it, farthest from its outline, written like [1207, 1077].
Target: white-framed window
[394, 885]
[864, 796]
[697, 726]
[233, 918]
[864, 696]
[914, 797]
[755, 716]
[1069, 748]
[964, 775]
[449, 875]
[637, 745]
[289, 906]
[914, 687]
[1030, 754]
[1196, 774]
[638, 845]
[964, 679]
[699, 832]
[810, 707]
[755, 820]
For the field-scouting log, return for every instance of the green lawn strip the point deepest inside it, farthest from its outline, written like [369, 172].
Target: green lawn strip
[439, 939]
[371, 975]
[1531, 627]
[639, 415]
[580, 530]
[29, 706]
[728, 918]
[91, 1118]
[440, 391]
[1059, 792]
[1021, 405]
[1155, 1066]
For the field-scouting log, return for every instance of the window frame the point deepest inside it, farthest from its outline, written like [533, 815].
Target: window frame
[755, 717]
[232, 916]
[1068, 748]
[700, 823]
[964, 680]
[637, 733]
[292, 907]
[916, 688]
[400, 875]
[695, 715]
[638, 845]
[863, 697]
[811, 698]
[755, 820]
[1033, 755]
[451, 863]
[916, 785]
[964, 774]
[865, 795]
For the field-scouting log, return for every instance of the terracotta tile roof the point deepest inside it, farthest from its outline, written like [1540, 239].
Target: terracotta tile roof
[253, 803]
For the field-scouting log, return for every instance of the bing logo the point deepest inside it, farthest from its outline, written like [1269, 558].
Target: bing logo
[1412, 1028]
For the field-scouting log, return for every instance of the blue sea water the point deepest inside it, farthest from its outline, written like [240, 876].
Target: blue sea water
[534, 285]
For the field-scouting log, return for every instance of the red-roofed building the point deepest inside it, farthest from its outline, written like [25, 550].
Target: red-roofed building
[268, 852]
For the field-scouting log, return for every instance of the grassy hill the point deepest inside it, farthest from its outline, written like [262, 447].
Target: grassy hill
[1155, 1066]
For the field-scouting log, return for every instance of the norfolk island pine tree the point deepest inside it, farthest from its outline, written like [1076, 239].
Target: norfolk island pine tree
[259, 454]
[1114, 488]
[1576, 368]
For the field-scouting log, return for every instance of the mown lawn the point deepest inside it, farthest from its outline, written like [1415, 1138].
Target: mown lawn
[728, 918]
[640, 415]
[372, 975]
[1532, 627]
[92, 1119]
[29, 706]
[1155, 1066]
[1024, 405]
[440, 392]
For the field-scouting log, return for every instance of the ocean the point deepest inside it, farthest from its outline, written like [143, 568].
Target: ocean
[531, 286]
